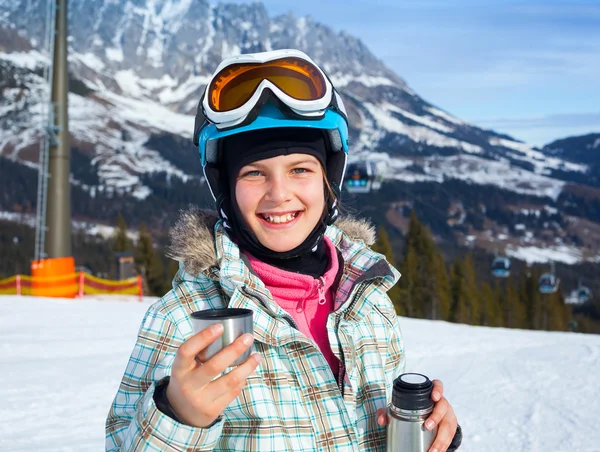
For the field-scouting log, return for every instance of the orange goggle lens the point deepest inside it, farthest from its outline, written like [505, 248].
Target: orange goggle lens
[233, 86]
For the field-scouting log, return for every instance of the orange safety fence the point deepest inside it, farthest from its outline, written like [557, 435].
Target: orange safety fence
[80, 283]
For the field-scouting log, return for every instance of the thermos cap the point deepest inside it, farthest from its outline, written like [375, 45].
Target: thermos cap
[412, 391]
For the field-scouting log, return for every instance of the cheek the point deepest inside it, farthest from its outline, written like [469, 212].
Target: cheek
[313, 196]
[247, 200]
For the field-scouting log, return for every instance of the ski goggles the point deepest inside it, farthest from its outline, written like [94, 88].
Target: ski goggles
[242, 84]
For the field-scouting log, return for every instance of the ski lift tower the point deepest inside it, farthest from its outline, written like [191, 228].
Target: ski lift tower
[53, 223]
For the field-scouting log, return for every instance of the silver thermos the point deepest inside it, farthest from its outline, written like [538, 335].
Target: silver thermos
[411, 406]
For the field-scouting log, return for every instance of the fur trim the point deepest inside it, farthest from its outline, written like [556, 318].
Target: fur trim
[193, 241]
[357, 229]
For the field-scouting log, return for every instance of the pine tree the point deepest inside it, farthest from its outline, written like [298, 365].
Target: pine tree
[149, 263]
[424, 287]
[409, 282]
[121, 241]
[557, 313]
[490, 307]
[458, 312]
[498, 314]
[515, 315]
[383, 246]
[472, 301]
[532, 299]
[443, 293]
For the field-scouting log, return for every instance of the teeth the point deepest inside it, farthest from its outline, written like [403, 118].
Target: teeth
[280, 218]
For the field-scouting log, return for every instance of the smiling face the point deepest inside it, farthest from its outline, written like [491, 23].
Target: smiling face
[281, 199]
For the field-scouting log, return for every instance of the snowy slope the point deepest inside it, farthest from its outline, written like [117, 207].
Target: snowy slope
[518, 391]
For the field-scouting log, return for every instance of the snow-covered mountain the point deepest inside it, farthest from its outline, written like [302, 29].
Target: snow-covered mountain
[138, 68]
[143, 64]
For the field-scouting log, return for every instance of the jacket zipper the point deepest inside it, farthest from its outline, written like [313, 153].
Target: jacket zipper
[320, 287]
[342, 372]
[321, 290]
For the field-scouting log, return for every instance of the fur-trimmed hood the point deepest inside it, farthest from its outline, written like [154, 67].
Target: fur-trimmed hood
[193, 237]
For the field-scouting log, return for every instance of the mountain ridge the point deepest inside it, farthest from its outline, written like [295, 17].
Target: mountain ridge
[131, 101]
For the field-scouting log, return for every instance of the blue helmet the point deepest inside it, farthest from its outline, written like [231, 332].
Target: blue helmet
[271, 113]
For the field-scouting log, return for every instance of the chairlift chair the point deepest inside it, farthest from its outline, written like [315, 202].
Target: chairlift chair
[548, 283]
[501, 267]
[584, 294]
[359, 177]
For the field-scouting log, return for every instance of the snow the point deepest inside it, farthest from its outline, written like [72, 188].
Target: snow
[29, 60]
[128, 82]
[92, 229]
[114, 54]
[151, 114]
[426, 121]
[341, 80]
[91, 61]
[512, 390]
[533, 254]
[178, 92]
[416, 133]
[481, 171]
[442, 114]
[155, 51]
[540, 161]
[173, 12]
[210, 35]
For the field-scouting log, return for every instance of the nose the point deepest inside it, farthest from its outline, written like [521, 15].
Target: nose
[278, 191]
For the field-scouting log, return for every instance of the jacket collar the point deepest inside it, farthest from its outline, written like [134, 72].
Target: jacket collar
[203, 248]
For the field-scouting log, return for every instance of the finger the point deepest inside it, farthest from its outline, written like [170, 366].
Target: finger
[445, 434]
[439, 411]
[382, 417]
[438, 390]
[228, 386]
[225, 358]
[219, 405]
[186, 353]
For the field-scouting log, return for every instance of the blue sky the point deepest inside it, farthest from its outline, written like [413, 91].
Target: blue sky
[527, 68]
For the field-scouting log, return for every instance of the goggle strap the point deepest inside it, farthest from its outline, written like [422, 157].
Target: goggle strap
[199, 121]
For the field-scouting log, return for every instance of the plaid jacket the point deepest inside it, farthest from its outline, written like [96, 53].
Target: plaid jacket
[292, 401]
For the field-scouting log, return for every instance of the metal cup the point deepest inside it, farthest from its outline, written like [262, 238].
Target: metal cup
[235, 323]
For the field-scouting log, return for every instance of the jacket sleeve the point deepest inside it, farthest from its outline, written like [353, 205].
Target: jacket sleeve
[134, 422]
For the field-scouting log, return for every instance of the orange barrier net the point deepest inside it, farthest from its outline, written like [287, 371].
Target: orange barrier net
[80, 283]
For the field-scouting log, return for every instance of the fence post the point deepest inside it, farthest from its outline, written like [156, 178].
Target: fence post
[81, 283]
[140, 287]
[18, 284]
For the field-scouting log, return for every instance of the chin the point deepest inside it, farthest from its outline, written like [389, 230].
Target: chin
[281, 246]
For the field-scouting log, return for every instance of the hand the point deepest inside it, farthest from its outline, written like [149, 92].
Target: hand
[194, 396]
[443, 416]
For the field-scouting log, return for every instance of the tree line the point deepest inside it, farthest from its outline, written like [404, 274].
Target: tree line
[431, 288]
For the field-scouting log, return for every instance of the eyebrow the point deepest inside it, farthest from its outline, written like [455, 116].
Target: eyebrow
[293, 163]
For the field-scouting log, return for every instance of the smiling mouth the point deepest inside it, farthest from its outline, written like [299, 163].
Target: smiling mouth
[279, 219]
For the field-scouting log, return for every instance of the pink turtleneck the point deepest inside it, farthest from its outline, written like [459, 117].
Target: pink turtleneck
[308, 300]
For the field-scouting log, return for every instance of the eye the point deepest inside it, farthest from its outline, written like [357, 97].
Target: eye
[300, 170]
[251, 173]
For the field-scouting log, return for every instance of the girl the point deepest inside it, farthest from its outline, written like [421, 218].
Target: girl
[272, 134]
